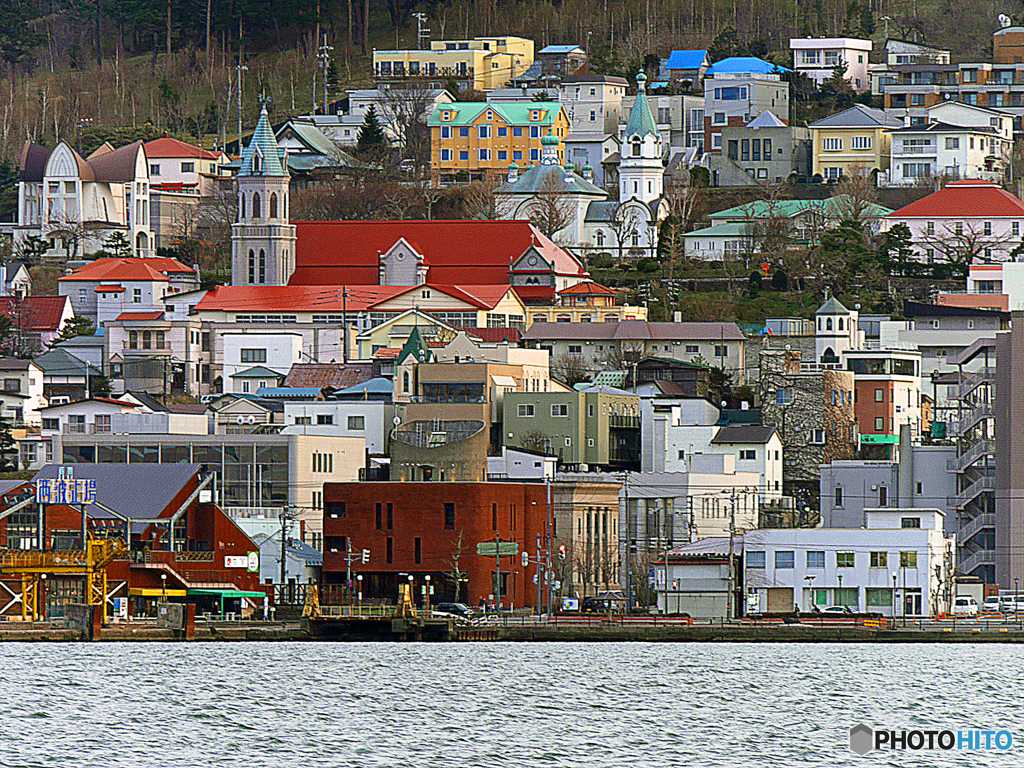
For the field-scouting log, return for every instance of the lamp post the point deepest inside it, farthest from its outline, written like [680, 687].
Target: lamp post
[41, 600]
[427, 590]
[840, 596]
[894, 594]
[163, 586]
[359, 578]
[411, 600]
[810, 597]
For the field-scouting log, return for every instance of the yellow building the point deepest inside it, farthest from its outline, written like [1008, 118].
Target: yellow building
[478, 141]
[855, 139]
[480, 64]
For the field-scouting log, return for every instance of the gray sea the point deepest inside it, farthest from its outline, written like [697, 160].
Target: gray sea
[494, 704]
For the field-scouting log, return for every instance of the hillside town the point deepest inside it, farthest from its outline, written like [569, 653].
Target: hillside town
[720, 339]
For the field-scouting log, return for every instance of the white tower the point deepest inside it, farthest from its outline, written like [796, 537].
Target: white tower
[263, 240]
[641, 173]
[835, 332]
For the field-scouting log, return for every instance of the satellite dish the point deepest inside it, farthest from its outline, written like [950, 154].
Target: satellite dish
[1004, 20]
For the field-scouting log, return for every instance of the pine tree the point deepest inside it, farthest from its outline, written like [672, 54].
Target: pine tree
[372, 140]
[332, 78]
[118, 245]
[79, 325]
[8, 448]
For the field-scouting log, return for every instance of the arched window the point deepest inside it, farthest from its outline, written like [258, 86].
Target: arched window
[405, 381]
[600, 239]
[252, 267]
[273, 205]
[636, 149]
[147, 340]
[840, 321]
[133, 339]
[257, 161]
[828, 323]
[241, 206]
[263, 267]
[255, 205]
[161, 339]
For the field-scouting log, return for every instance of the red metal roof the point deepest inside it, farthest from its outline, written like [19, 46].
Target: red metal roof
[38, 313]
[128, 270]
[456, 252]
[328, 298]
[495, 335]
[155, 315]
[109, 289]
[536, 294]
[964, 199]
[168, 147]
[587, 288]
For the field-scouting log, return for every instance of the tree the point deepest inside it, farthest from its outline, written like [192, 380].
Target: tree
[405, 110]
[854, 197]
[623, 355]
[118, 245]
[896, 249]
[843, 257]
[454, 572]
[79, 325]
[961, 242]
[17, 37]
[552, 208]
[536, 441]
[8, 448]
[371, 141]
[570, 369]
[624, 221]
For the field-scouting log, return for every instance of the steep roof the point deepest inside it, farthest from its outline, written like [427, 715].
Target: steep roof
[641, 121]
[128, 270]
[60, 362]
[168, 147]
[743, 433]
[315, 140]
[587, 288]
[463, 252]
[767, 119]
[692, 59]
[963, 199]
[743, 65]
[140, 316]
[257, 372]
[513, 113]
[832, 306]
[37, 313]
[32, 163]
[117, 165]
[264, 142]
[859, 116]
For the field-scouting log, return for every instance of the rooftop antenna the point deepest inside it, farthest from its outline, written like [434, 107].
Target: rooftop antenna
[1004, 20]
[422, 31]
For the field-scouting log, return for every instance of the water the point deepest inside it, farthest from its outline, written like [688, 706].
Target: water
[494, 704]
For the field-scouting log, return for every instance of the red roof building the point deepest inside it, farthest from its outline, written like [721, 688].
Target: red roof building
[964, 221]
[38, 319]
[440, 252]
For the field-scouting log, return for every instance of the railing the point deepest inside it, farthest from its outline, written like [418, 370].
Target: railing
[423, 72]
[982, 557]
[624, 422]
[980, 485]
[196, 578]
[975, 525]
[979, 412]
[916, 149]
[975, 452]
[976, 379]
[85, 429]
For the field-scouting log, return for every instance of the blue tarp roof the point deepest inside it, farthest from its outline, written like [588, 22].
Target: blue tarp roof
[379, 385]
[687, 59]
[743, 65]
[559, 49]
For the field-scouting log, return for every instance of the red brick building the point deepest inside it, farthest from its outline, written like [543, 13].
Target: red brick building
[421, 529]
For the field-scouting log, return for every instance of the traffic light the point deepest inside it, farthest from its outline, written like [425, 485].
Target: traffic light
[366, 555]
[561, 551]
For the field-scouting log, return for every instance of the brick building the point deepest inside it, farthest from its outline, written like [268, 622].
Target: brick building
[433, 529]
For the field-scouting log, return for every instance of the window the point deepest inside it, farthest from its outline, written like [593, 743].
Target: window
[575, 349]
[559, 410]
[484, 155]
[952, 142]
[784, 396]
[390, 509]
[883, 496]
[784, 559]
[446, 155]
[379, 512]
[517, 133]
[391, 550]
[721, 350]
[844, 559]
[755, 559]
[817, 437]
[839, 496]
[418, 550]
[748, 455]
[525, 410]
[502, 132]
[878, 597]
[446, 131]
[910, 522]
[908, 559]
[324, 418]
[862, 142]
[502, 154]
[879, 560]
[133, 339]
[154, 169]
[464, 154]
[483, 131]
[51, 423]
[692, 349]
[136, 295]
[815, 558]
[986, 228]
[831, 143]
[847, 596]
[879, 395]
[464, 132]
[188, 167]
[303, 420]
[253, 355]
[357, 422]
[534, 131]
[449, 516]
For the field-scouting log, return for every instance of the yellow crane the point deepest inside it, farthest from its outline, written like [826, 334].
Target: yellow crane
[91, 563]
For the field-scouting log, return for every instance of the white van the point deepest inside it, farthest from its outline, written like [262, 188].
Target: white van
[965, 605]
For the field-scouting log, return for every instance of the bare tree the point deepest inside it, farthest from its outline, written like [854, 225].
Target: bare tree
[960, 243]
[682, 202]
[404, 112]
[623, 355]
[853, 197]
[768, 229]
[536, 441]
[570, 369]
[624, 221]
[552, 209]
[454, 572]
[480, 200]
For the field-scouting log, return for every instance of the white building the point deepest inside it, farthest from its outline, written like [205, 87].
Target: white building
[371, 420]
[738, 89]
[817, 57]
[901, 554]
[594, 106]
[242, 351]
[521, 464]
[22, 392]
[836, 331]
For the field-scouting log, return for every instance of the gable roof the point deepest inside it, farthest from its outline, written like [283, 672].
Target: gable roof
[587, 288]
[553, 49]
[691, 59]
[317, 142]
[788, 208]
[32, 163]
[859, 116]
[548, 178]
[744, 65]
[513, 112]
[459, 252]
[60, 362]
[37, 313]
[165, 146]
[139, 316]
[767, 119]
[117, 165]
[939, 127]
[334, 375]
[962, 199]
[257, 372]
[263, 140]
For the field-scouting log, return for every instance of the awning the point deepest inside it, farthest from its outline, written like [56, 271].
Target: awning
[225, 593]
[155, 592]
[504, 381]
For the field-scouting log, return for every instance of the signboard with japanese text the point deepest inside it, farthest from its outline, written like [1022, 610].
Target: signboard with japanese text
[65, 490]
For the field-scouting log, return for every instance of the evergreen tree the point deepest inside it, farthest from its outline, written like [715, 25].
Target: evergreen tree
[78, 325]
[8, 448]
[17, 38]
[332, 78]
[895, 250]
[372, 140]
[118, 245]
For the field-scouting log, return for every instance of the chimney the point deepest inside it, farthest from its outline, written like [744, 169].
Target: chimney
[513, 173]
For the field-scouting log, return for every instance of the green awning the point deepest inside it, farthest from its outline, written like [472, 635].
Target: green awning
[225, 593]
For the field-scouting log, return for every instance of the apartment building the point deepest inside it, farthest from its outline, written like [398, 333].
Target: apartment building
[479, 64]
[818, 57]
[887, 395]
[479, 141]
[741, 87]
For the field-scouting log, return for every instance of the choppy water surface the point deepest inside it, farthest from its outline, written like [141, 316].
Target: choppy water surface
[494, 704]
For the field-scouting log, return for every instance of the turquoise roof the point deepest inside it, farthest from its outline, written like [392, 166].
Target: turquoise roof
[547, 177]
[263, 139]
[513, 113]
[257, 372]
[641, 121]
[720, 230]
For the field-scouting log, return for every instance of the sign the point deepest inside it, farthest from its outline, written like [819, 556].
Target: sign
[505, 549]
[121, 607]
[253, 562]
[570, 604]
[236, 561]
[65, 490]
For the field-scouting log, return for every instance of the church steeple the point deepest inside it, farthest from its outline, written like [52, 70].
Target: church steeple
[640, 168]
[263, 240]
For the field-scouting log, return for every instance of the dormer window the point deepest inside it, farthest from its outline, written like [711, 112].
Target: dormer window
[535, 114]
[257, 161]
[446, 115]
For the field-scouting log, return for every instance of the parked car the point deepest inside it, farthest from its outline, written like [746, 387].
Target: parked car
[593, 605]
[1018, 605]
[965, 605]
[837, 609]
[991, 604]
[1006, 604]
[461, 610]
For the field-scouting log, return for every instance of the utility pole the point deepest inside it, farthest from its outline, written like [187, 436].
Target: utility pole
[241, 68]
[547, 570]
[625, 496]
[325, 63]
[732, 569]
[286, 518]
[497, 570]
[344, 325]
[537, 572]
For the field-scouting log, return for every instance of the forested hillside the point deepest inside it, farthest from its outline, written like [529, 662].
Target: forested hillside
[86, 70]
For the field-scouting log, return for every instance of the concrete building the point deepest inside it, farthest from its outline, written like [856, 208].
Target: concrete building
[443, 450]
[275, 353]
[741, 87]
[586, 536]
[479, 64]
[887, 395]
[856, 140]
[371, 420]
[521, 464]
[22, 393]
[765, 149]
[104, 289]
[819, 57]
[594, 105]
[899, 564]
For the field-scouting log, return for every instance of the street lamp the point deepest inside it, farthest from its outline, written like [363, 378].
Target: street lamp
[163, 586]
[894, 594]
[41, 601]
[359, 578]
[810, 598]
[427, 589]
[840, 595]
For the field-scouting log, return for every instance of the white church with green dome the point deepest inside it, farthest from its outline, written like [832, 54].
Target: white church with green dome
[627, 228]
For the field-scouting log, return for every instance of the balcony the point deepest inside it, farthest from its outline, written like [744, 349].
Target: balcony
[979, 486]
[624, 422]
[86, 429]
[974, 525]
[980, 411]
[423, 73]
[916, 149]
